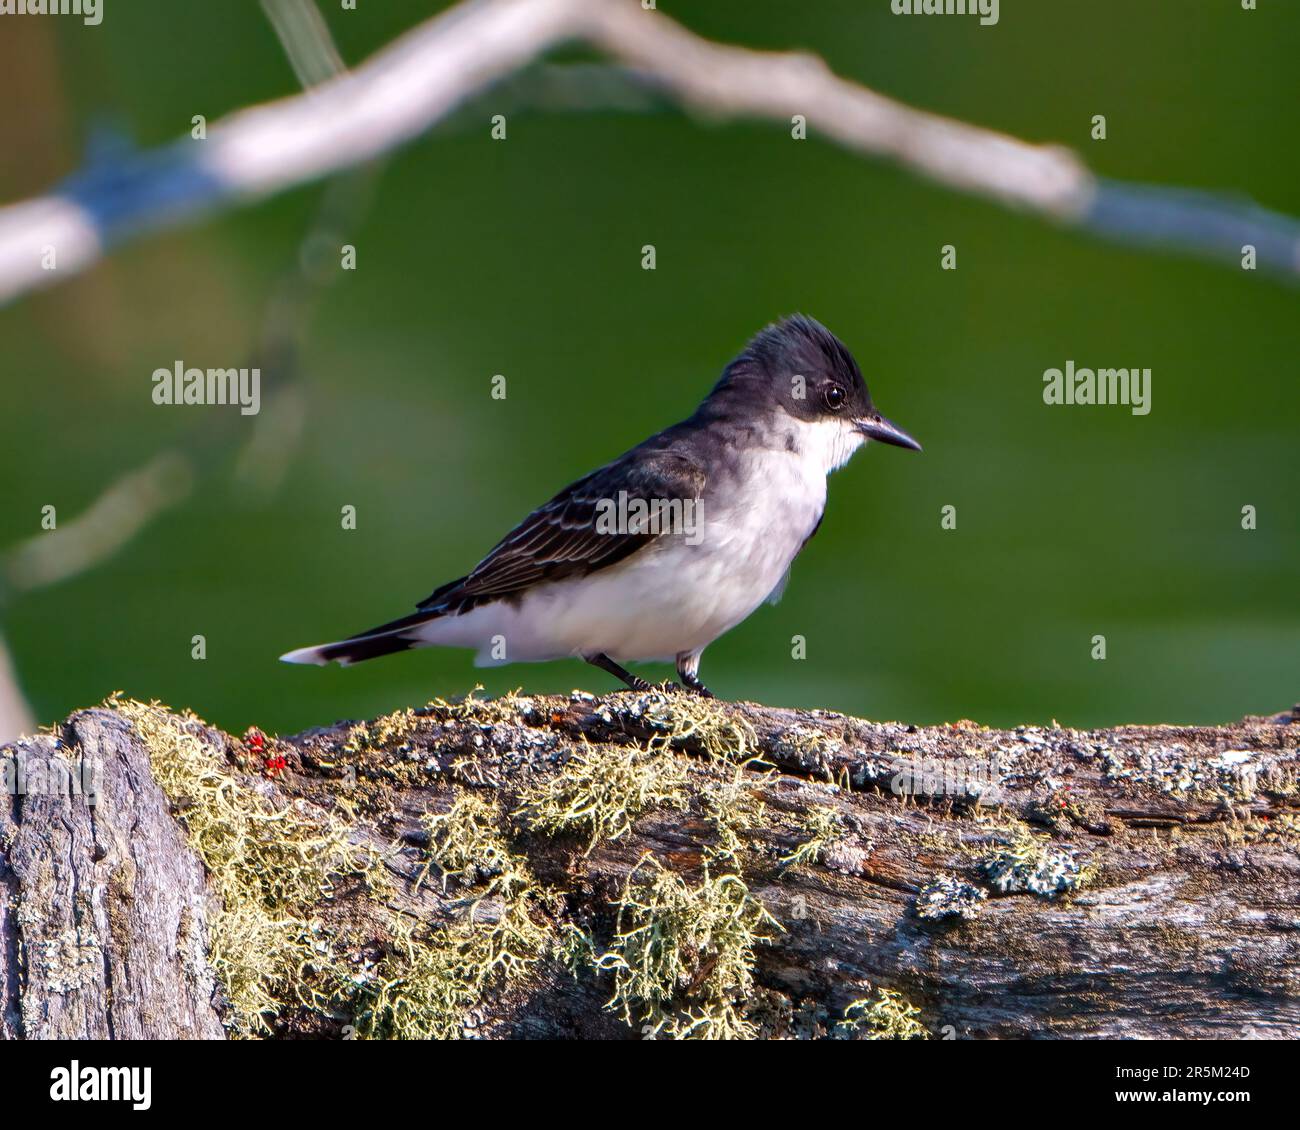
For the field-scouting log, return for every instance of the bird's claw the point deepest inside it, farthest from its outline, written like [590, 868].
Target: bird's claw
[695, 687]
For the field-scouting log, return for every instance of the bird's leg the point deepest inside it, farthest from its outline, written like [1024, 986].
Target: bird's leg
[696, 687]
[688, 667]
[603, 661]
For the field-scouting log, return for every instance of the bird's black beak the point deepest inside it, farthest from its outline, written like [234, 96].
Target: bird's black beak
[878, 428]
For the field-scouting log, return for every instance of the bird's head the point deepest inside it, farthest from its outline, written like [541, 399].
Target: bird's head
[799, 374]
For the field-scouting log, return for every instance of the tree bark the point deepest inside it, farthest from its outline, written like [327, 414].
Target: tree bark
[102, 905]
[1135, 882]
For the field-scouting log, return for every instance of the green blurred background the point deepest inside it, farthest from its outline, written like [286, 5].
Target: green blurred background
[523, 258]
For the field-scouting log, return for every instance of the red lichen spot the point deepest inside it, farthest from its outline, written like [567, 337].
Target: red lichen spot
[273, 764]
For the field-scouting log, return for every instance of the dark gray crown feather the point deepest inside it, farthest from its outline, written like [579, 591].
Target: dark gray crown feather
[794, 345]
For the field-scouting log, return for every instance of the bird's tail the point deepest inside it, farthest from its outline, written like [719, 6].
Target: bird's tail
[383, 640]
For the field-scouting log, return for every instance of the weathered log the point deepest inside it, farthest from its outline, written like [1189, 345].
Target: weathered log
[102, 904]
[644, 864]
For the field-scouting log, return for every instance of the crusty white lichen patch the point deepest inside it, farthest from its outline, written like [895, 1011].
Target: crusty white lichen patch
[807, 747]
[1175, 770]
[949, 897]
[1028, 864]
[68, 962]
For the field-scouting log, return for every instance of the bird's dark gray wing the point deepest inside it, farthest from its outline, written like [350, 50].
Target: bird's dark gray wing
[564, 538]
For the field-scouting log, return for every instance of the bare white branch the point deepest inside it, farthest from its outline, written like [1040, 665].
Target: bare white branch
[403, 90]
[721, 80]
[113, 519]
[418, 80]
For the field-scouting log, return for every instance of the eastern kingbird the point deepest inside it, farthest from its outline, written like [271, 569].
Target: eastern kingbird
[657, 554]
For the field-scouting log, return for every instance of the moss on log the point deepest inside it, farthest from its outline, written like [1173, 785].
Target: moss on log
[648, 865]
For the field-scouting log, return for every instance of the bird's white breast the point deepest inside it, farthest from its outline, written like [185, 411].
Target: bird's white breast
[674, 597]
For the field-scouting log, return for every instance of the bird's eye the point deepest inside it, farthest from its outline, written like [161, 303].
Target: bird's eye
[835, 398]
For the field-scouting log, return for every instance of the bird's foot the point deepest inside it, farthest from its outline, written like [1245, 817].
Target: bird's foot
[694, 686]
[669, 687]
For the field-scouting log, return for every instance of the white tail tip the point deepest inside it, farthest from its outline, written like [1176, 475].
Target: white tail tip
[305, 655]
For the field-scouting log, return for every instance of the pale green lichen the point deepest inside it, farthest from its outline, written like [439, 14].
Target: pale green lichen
[506, 708]
[575, 949]
[686, 720]
[820, 827]
[465, 842]
[431, 978]
[683, 955]
[427, 985]
[734, 809]
[707, 725]
[268, 862]
[389, 732]
[600, 789]
[885, 1015]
